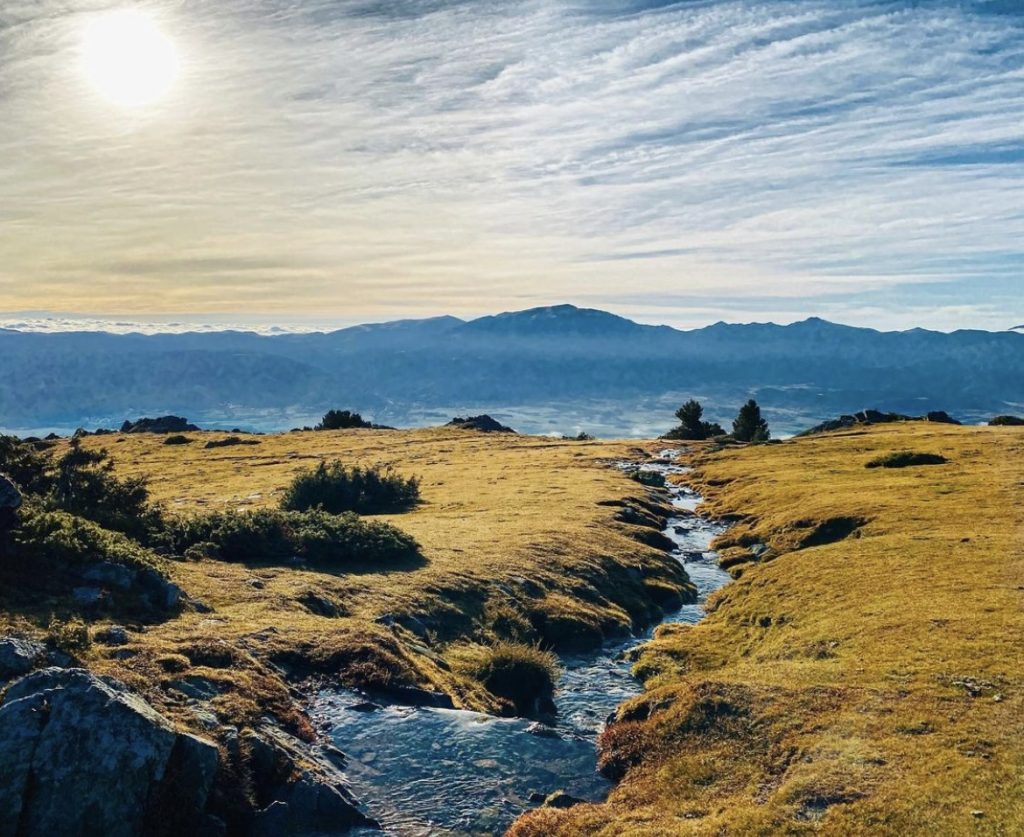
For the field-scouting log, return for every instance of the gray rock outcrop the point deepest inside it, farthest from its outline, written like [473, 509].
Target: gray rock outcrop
[19, 656]
[80, 754]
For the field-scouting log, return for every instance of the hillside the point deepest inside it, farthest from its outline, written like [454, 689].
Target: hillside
[869, 685]
[499, 513]
[544, 370]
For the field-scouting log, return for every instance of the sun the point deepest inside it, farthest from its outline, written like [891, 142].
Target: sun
[128, 60]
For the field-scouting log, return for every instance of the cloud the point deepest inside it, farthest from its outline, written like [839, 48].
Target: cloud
[362, 157]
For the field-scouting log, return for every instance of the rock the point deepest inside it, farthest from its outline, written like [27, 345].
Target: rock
[320, 605]
[107, 574]
[199, 606]
[542, 730]
[411, 623]
[114, 635]
[88, 597]
[365, 706]
[162, 593]
[196, 687]
[19, 656]
[482, 424]
[414, 696]
[537, 797]
[301, 791]
[562, 801]
[163, 424]
[81, 754]
[876, 417]
[230, 441]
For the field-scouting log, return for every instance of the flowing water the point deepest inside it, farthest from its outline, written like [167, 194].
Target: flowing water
[427, 771]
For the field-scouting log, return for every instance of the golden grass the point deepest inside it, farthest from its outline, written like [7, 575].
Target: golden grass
[874, 685]
[517, 545]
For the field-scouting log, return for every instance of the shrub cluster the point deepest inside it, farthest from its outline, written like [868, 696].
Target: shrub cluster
[57, 539]
[337, 489]
[270, 535]
[748, 426]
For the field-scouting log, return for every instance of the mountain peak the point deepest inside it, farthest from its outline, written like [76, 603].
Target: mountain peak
[554, 319]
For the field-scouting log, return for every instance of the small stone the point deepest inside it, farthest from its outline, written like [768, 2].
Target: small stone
[113, 635]
[88, 596]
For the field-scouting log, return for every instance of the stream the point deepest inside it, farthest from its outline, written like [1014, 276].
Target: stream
[423, 771]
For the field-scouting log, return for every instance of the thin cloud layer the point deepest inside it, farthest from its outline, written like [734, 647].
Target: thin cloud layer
[672, 161]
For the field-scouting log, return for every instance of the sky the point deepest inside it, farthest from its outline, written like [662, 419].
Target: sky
[320, 163]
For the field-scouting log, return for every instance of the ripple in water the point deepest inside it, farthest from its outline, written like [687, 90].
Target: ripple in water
[428, 771]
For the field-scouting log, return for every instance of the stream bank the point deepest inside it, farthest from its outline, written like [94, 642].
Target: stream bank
[428, 771]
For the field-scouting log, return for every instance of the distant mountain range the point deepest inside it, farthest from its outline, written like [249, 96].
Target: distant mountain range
[556, 369]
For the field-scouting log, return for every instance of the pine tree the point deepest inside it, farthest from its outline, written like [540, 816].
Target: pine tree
[691, 423]
[749, 425]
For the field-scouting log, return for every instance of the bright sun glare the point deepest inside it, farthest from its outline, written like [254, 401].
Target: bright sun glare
[128, 60]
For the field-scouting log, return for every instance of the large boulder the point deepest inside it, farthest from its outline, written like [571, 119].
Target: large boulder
[482, 424]
[80, 754]
[163, 424]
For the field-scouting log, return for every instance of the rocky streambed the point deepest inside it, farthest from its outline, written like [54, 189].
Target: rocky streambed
[430, 771]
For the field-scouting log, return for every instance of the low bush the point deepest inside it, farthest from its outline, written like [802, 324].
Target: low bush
[177, 439]
[342, 420]
[1007, 421]
[525, 675]
[24, 464]
[906, 459]
[336, 489]
[270, 535]
[84, 484]
[50, 540]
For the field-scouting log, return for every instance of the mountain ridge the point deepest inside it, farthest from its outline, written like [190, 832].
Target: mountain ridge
[539, 358]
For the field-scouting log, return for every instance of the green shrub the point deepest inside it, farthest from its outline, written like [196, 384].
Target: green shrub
[1007, 421]
[692, 427]
[270, 535]
[85, 485]
[906, 459]
[525, 675]
[336, 489]
[57, 539]
[342, 420]
[749, 425]
[23, 464]
[177, 439]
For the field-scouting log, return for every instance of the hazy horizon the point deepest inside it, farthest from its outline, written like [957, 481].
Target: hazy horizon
[47, 322]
